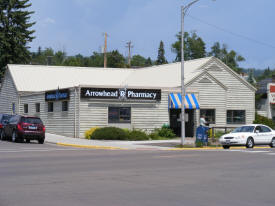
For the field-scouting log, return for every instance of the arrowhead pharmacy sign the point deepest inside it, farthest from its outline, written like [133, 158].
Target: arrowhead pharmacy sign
[122, 94]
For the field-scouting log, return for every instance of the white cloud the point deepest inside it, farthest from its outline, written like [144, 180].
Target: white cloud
[49, 20]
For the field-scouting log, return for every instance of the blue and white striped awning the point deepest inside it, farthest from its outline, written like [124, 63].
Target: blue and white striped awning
[190, 101]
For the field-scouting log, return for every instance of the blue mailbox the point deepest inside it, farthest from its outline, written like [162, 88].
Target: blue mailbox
[201, 134]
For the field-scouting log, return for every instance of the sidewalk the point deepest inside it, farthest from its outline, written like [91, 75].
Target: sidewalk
[109, 144]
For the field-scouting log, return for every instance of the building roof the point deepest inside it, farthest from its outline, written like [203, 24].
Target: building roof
[36, 78]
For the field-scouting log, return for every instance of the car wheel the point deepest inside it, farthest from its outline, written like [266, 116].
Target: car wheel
[41, 141]
[226, 146]
[2, 135]
[28, 140]
[14, 137]
[272, 144]
[250, 143]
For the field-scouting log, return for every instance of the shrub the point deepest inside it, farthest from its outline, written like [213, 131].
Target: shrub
[218, 134]
[199, 144]
[89, 132]
[138, 135]
[154, 136]
[264, 120]
[165, 132]
[110, 133]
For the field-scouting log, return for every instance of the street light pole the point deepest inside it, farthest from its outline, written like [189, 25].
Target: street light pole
[183, 12]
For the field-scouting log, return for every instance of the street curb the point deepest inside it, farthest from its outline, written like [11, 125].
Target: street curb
[215, 148]
[90, 147]
[162, 149]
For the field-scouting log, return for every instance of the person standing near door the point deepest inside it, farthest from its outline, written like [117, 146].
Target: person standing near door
[203, 121]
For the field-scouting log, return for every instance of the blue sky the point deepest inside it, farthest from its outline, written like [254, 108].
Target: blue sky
[77, 26]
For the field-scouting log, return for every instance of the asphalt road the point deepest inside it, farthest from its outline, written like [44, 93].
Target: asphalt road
[43, 175]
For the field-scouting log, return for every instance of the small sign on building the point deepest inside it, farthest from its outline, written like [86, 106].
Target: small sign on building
[271, 93]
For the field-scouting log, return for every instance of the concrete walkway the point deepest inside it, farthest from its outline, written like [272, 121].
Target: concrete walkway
[109, 144]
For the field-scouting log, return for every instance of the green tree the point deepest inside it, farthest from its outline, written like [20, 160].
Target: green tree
[230, 58]
[161, 54]
[194, 46]
[115, 60]
[15, 32]
[148, 62]
[96, 60]
[138, 61]
[59, 58]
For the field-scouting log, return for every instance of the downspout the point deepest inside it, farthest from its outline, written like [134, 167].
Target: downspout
[79, 111]
[18, 96]
[75, 93]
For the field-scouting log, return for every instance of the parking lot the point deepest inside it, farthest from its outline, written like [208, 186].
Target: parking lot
[33, 174]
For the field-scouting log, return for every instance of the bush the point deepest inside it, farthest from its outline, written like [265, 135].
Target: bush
[199, 144]
[154, 136]
[113, 133]
[110, 133]
[264, 120]
[138, 135]
[165, 132]
[89, 132]
[218, 134]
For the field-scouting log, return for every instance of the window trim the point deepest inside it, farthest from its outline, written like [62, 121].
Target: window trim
[232, 110]
[119, 121]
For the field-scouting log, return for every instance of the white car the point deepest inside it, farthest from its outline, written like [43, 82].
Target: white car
[249, 135]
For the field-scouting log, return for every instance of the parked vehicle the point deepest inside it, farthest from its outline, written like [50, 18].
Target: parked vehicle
[22, 128]
[4, 119]
[249, 136]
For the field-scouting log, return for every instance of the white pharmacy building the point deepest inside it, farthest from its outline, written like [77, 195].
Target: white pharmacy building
[70, 100]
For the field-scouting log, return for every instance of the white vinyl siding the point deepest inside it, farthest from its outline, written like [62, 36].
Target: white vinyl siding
[239, 96]
[144, 115]
[211, 96]
[8, 95]
[56, 122]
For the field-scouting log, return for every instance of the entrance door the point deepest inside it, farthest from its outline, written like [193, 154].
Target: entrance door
[175, 122]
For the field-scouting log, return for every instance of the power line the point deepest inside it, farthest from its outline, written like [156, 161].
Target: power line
[232, 33]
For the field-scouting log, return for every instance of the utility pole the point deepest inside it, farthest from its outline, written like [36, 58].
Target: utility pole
[105, 50]
[129, 46]
[184, 10]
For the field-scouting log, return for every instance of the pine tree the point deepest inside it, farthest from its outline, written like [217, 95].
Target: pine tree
[161, 52]
[15, 32]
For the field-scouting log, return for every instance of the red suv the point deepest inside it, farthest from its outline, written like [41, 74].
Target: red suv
[20, 128]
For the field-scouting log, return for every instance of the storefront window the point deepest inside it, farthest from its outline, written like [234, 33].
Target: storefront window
[13, 108]
[235, 116]
[65, 106]
[26, 108]
[119, 115]
[50, 106]
[210, 115]
[37, 107]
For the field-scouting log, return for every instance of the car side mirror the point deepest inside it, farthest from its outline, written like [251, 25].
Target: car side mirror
[257, 131]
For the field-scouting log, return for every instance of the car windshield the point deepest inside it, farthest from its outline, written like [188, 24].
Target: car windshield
[244, 129]
[5, 117]
[31, 120]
